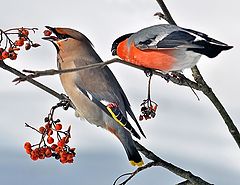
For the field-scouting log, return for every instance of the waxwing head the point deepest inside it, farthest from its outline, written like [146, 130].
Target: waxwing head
[68, 35]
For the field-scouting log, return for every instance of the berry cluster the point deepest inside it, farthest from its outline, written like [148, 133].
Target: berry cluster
[11, 47]
[148, 109]
[47, 147]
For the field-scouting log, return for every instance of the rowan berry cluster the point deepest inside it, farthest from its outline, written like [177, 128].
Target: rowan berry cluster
[50, 146]
[148, 109]
[10, 46]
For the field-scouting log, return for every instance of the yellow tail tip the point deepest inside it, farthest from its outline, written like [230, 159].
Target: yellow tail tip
[139, 164]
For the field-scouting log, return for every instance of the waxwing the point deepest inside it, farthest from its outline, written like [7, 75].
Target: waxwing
[95, 92]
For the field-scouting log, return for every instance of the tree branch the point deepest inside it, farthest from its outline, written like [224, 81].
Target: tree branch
[203, 86]
[166, 13]
[32, 81]
[35, 74]
[183, 81]
[220, 108]
[157, 161]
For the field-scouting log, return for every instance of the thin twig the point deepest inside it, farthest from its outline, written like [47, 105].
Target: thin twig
[27, 125]
[131, 175]
[49, 72]
[218, 105]
[125, 174]
[167, 15]
[14, 29]
[32, 81]
[183, 82]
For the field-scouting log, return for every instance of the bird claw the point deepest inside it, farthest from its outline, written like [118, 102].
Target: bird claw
[148, 72]
[167, 77]
[65, 102]
[178, 75]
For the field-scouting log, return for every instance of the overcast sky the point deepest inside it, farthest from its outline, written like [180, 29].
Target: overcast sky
[186, 132]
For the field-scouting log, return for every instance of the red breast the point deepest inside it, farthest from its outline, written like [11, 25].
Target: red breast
[155, 59]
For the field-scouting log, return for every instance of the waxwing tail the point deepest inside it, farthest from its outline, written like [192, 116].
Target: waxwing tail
[133, 155]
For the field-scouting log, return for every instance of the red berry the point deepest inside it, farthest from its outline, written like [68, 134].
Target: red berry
[140, 117]
[34, 154]
[27, 145]
[48, 126]
[48, 152]
[50, 140]
[41, 156]
[28, 151]
[41, 130]
[5, 54]
[58, 126]
[53, 147]
[13, 56]
[155, 108]
[61, 143]
[58, 149]
[34, 157]
[25, 32]
[19, 42]
[27, 46]
[47, 32]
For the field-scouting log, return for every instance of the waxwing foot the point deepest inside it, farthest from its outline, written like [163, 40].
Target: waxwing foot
[65, 102]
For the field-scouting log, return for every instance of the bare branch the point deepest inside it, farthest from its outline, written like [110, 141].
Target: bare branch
[167, 15]
[32, 81]
[49, 72]
[131, 175]
[183, 81]
[218, 105]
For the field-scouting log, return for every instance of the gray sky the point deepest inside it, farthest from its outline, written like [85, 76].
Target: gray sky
[186, 132]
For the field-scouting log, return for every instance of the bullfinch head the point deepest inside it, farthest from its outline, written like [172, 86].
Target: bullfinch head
[117, 42]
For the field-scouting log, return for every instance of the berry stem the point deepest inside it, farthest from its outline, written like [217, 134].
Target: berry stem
[27, 125]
